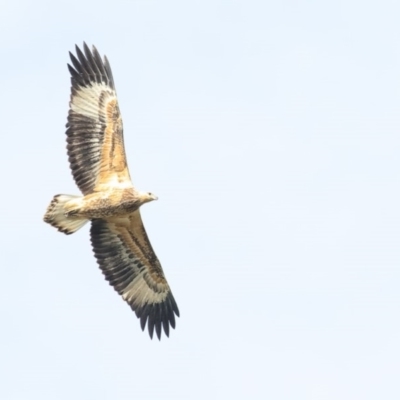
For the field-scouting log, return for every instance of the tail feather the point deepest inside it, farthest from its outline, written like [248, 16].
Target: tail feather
[55, 215]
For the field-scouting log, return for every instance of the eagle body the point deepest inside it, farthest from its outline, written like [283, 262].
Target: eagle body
[109, 200]
[112, 203]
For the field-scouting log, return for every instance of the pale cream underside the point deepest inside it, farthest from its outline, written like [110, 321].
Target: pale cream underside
[112, 172]
[138, 292]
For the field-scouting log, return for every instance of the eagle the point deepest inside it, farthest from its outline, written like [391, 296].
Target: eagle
[96, 153]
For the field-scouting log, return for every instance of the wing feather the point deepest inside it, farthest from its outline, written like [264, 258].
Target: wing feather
[95, 141]
[126, 258]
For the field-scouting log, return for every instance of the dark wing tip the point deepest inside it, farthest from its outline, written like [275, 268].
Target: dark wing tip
[88, 67]
[158, 317]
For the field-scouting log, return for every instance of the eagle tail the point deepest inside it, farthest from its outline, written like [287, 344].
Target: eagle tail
[56, 215]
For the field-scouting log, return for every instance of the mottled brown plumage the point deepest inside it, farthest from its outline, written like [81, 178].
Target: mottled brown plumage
[98, 163]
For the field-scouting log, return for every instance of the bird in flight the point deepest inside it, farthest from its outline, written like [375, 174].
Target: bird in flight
[109, 200]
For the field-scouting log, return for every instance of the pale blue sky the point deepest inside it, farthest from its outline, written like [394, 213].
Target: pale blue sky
[271, 133]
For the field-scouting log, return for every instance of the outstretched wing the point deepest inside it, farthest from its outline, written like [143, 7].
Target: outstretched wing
[94, 129]
[130, 265]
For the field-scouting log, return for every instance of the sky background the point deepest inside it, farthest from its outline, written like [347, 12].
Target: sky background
[271, 133]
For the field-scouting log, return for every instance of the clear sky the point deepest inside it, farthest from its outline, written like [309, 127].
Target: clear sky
[271, 133]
